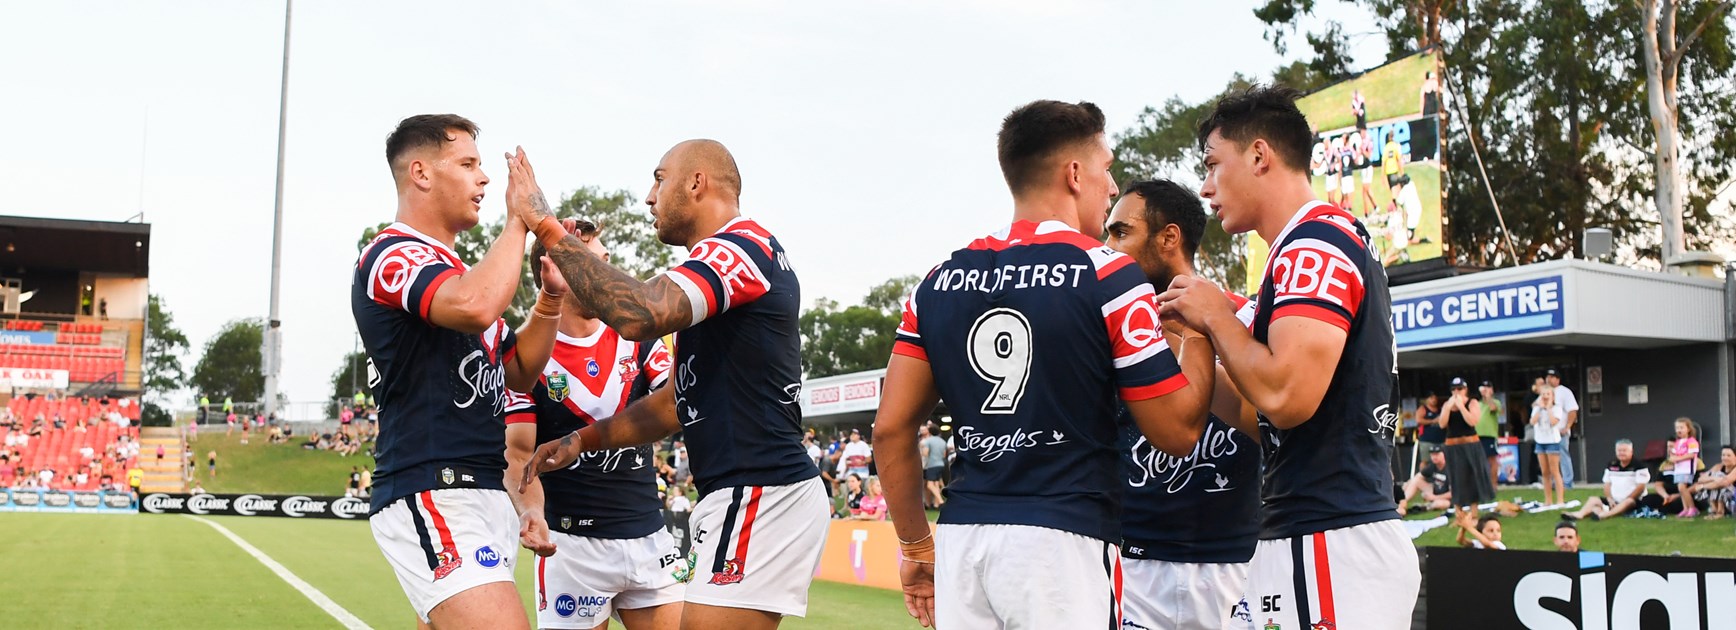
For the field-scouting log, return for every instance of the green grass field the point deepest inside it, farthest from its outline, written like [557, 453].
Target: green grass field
[1390, 91]
[171, 571]
[63, 570]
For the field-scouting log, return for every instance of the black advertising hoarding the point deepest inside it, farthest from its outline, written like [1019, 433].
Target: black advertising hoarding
[1469, 588]
[280, 505]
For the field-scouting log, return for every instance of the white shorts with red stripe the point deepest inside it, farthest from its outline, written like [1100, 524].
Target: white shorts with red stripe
[1019, 576]
[443, 542]
[758, 547]
[1356, 577]
[1184, 595]
[588, 579]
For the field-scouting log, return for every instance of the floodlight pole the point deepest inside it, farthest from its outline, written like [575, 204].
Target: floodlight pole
[273, 337]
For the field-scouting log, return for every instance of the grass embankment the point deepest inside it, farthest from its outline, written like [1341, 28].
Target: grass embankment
[262, 468]
[1639, 536]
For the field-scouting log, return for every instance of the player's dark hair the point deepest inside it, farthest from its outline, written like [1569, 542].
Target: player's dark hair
[1036, 131]
[581, 227]
[424, 130]
[1262, 112]
[1167, 202]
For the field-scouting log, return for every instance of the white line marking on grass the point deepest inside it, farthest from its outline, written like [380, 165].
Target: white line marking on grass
[326, 604]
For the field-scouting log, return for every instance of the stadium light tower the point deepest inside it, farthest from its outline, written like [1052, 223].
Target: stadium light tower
[273, 336]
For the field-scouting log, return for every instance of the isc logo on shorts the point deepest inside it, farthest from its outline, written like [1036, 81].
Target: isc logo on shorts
[487, 557]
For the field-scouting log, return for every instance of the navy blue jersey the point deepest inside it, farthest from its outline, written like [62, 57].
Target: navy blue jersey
[1204, 507]
[1333, 470]
[441, 393]
[1032, 334]
[738, 367]
[604, 494]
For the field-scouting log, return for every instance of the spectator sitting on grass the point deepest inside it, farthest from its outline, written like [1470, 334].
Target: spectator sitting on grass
[1431, 482]
[196, 489]
[1566, 537]
[1624, 483]
[1714, 487]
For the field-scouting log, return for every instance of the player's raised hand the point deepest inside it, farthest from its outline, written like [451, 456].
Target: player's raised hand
[524, 198]
[533, 533]
[918, 580]
[552, 456]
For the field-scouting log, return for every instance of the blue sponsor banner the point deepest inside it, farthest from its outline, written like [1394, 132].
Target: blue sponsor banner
[21, 338]
[1476, 313]
[39, 500]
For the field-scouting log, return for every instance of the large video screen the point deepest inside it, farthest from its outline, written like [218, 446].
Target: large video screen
[1377, 153]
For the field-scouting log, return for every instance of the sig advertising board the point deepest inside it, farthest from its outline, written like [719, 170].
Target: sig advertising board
[1377, 153]
[1587, 590]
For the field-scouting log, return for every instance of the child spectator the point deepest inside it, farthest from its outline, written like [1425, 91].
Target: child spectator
[1485, 532]
[873, 504]
[1684, 454]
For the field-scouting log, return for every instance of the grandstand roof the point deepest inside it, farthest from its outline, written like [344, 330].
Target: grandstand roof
[92, 246]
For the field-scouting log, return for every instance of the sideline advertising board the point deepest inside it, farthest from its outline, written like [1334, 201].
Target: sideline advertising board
[41, 500]
[1588, 590]
[280, 505]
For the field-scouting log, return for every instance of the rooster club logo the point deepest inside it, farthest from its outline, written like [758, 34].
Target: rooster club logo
[731, 574]
[627, 368]
[449, 562]
[487, 557]
[558, 388]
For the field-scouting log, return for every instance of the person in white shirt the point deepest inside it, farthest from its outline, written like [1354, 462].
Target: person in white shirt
[813, 449]
[1484, 533]
[857, 455]
[680, 503]
[1624, 484]
[1569, 406]
[1549, 431]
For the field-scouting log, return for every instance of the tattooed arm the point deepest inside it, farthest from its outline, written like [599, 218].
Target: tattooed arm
[639, 311]
[650, 419]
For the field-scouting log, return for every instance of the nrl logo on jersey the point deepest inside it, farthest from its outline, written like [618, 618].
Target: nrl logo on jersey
[558, 387]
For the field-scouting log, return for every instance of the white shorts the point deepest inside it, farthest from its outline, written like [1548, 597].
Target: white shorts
[1367, 176]
[1356, 577]
[588, 579]
[1347, 184]
[758, 547]
[1020, 576]
[443, 542]
[1332, 182]
[1184, 595]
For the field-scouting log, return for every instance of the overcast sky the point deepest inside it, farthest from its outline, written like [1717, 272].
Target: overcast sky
[864, 131]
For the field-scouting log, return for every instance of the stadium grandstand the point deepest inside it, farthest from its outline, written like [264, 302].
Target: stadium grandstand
[73, 300]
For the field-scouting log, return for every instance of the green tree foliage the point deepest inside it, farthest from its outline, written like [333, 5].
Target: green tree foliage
[164, 375]
[350, 376]
[856, 338]
[1552, 94]
[1161, 144]
[230, 366]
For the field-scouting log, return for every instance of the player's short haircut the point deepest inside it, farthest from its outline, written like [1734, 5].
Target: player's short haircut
[1034, 132]
[424, 130]
[1624, 442]
[1167, 202]
[1262, 112]
[581, 227]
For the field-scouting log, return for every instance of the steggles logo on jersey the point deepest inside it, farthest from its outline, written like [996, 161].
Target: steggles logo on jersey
[609, 461]
[1176, 472]
[484, 379]
[1385, 421]
[991, 447]
[558, 387]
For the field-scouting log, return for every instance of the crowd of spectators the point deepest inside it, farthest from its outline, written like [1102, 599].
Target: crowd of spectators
[83, 468]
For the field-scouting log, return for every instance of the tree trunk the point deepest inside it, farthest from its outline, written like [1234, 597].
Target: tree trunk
[1661, 64]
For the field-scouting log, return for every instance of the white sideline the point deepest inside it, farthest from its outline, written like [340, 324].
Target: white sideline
[326, 604]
